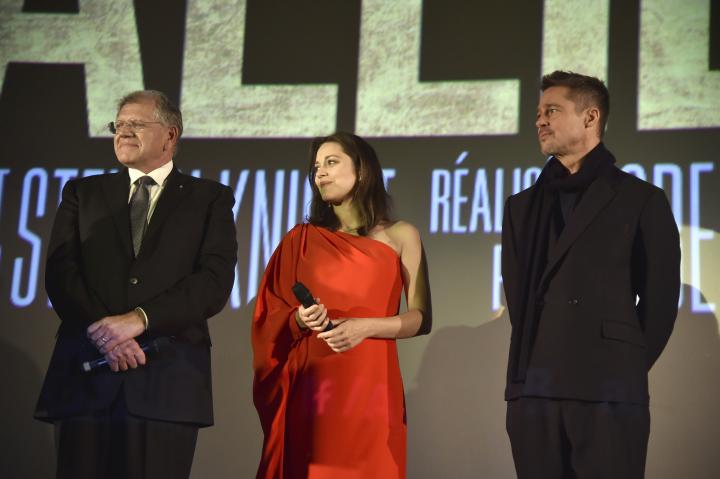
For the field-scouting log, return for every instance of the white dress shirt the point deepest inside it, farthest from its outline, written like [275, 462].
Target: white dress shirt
[160, 176]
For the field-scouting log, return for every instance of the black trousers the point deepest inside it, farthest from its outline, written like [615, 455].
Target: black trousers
[568, 439]
[115, 444]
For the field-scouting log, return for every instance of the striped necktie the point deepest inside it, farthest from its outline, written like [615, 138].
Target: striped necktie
[139, 206]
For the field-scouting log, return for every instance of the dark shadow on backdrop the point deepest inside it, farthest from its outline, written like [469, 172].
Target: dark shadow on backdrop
[684, 392]
[26, 446]
[231, 448]
[456, 415]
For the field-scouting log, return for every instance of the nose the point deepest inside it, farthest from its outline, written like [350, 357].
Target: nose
[540, 121]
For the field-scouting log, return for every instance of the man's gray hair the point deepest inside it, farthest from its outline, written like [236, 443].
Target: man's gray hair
[165, 111]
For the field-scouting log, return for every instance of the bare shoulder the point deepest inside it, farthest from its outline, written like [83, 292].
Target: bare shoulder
[402, 231]
[404, 234]
[399, 235]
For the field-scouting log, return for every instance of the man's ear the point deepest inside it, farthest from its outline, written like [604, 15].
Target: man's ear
[592, 117]
[172, 136]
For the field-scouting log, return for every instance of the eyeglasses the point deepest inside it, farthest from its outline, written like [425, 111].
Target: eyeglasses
[132, 125]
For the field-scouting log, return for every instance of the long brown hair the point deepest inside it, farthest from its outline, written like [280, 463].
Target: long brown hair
[368, 195]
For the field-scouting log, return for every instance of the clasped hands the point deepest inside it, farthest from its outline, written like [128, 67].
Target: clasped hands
[114, 337]
[346, 333]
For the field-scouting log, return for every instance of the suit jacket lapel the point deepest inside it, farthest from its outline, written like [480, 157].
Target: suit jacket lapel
[116, 195]
[599, 194]
[176, 188]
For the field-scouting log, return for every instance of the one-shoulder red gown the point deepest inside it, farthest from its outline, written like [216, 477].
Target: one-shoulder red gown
[327, 414]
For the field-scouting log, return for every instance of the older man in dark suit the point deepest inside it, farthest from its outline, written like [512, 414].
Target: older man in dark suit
[138, 255]
[591, 270]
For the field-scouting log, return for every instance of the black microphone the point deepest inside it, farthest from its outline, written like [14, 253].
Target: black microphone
[153, 346]
[306, 299]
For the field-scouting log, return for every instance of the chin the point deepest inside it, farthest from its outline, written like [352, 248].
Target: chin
[331, 200]
[547, 150]
[129, 162]
[334, 200]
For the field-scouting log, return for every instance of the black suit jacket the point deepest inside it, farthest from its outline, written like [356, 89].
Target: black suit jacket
[594, 342]
[181, 277]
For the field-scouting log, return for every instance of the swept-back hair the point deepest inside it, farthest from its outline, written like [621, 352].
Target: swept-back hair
[165, 110]
[584, 90]
[368, 195]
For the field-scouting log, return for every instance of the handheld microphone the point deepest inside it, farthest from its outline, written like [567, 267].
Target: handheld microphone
[306, 299]
[152, 346]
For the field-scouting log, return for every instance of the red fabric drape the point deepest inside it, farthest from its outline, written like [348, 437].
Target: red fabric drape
[327, 414]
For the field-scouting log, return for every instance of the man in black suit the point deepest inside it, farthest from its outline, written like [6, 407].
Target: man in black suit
[591, 271]
[137, 255]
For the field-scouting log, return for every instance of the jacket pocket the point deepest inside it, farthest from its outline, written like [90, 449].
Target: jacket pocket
[622, 331]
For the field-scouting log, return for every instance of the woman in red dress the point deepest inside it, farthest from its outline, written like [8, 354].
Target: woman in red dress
[331, 402]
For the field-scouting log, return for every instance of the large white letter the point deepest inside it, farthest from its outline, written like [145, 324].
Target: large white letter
[676, 88]
[103, 36]
[217, 104]
[575, 36]
[392, 102]
[698, 235]
[33, 265]
[3, 172]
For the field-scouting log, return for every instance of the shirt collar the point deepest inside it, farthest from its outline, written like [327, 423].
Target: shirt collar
[158, 174]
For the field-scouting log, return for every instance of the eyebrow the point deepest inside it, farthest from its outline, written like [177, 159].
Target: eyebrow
[327, 157]
[549, 105]
[136, 119]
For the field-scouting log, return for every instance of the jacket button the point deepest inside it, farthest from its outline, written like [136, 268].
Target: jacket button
[134, 281]
[573, 301]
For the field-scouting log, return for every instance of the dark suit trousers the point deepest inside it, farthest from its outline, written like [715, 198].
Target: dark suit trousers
[115, 444]
[559, 438]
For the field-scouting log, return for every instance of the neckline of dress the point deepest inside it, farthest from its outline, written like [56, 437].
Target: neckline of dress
[387, 246]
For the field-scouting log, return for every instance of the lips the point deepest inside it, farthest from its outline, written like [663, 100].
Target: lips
[543, 134]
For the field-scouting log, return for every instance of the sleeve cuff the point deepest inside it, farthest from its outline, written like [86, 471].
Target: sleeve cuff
[295, 330]
[143, 315]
